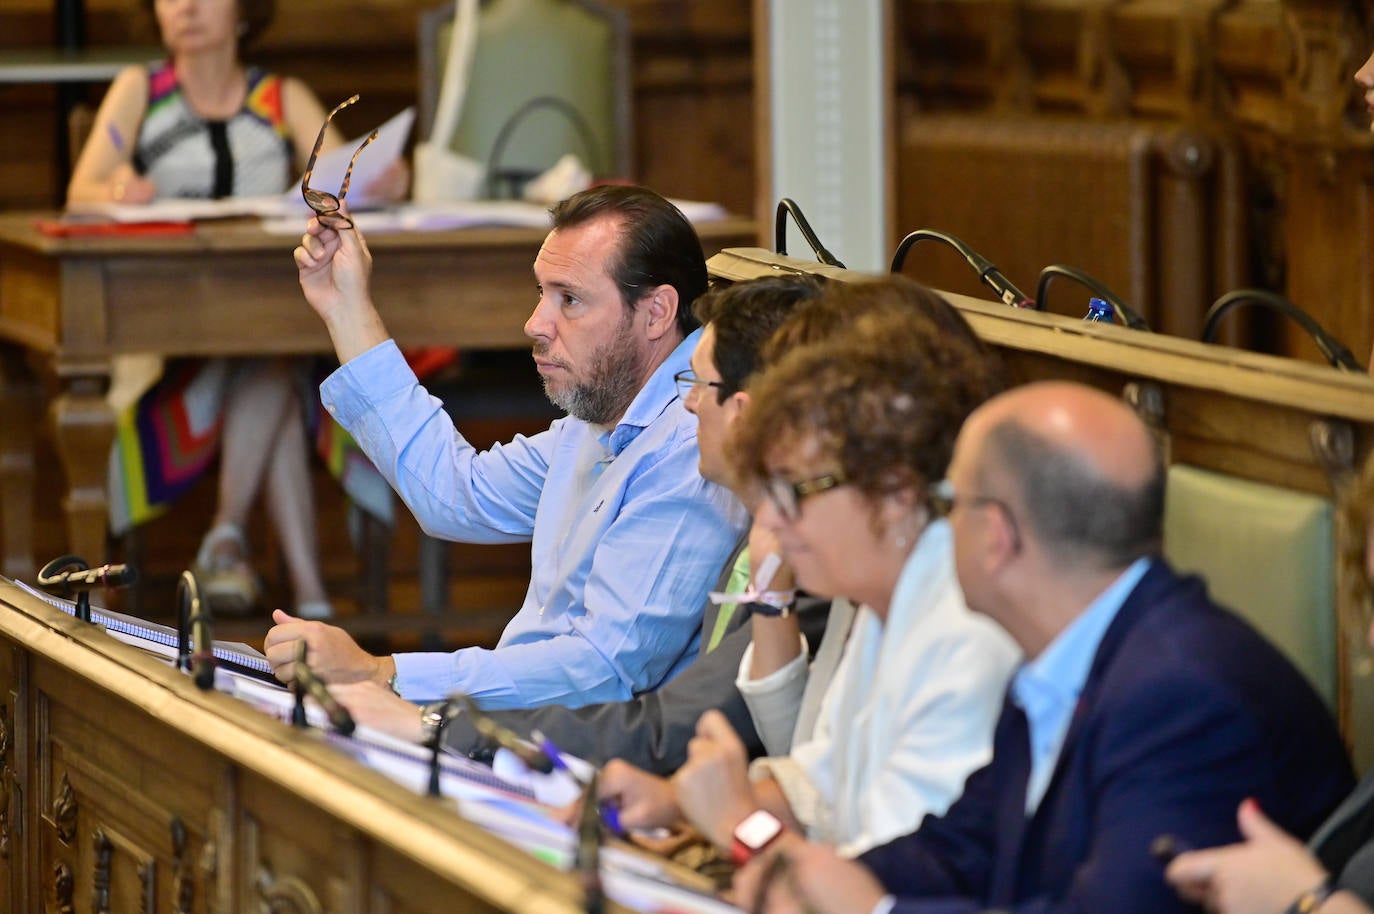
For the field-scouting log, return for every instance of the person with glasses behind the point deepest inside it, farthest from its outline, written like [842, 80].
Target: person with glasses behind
[1143, 710]
[843, 438]
[202, 124]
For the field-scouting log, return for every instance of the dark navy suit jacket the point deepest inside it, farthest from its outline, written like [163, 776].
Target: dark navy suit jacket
[1186, 711]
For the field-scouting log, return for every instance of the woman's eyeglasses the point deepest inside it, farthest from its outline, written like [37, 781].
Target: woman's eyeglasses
[326, 205]
[787, 495]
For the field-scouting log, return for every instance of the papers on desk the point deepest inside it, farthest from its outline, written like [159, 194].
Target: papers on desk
[431, 218]
[161, 640]
[435, 217]
[166, 211]
[376, 158]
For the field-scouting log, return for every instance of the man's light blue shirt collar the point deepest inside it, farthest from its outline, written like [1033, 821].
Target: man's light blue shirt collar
[653, 398]
[1047, 688]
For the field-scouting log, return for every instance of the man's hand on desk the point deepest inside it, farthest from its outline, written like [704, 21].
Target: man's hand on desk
[378, 707]
[334, 267]
[330, 651]
[643, 801]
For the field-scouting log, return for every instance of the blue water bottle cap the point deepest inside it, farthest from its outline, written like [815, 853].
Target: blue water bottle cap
[1099, 310]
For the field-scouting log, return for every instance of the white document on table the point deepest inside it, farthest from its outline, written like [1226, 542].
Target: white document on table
[374, 160]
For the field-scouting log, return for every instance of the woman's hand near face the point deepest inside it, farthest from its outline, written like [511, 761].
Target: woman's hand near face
[777, 641]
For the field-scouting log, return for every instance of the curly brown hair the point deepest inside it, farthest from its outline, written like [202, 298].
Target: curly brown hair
[883, 393]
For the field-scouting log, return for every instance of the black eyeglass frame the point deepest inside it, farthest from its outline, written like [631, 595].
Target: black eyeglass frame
[944, 498]
[686, 381]
[787, 495]
[326, 205]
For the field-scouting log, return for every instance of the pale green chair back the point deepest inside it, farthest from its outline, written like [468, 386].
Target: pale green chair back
[575, 52]
[1267, 553]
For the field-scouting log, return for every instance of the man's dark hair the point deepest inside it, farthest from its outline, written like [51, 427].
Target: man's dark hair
[1083, 519]
[744, 315]
[658, 246]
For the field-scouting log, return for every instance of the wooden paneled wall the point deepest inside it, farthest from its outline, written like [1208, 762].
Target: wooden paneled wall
[693, 83]
[1251, 165]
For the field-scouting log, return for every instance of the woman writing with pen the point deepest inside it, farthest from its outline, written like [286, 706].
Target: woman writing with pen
[202, 124]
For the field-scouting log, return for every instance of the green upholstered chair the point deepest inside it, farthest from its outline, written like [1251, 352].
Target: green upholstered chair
[1266, 552]
[548, 77]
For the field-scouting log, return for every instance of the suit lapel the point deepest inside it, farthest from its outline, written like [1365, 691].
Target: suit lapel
[1147, 594]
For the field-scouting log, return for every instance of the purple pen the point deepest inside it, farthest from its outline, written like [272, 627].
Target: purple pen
[116, 138]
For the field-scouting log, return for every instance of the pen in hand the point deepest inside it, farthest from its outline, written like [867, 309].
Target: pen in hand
[116, 137]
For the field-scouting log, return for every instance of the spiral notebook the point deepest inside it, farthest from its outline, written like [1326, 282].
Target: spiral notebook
[161, 639]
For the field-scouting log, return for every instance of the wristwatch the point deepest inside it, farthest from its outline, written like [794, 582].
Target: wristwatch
[758, 830]
[431, 719]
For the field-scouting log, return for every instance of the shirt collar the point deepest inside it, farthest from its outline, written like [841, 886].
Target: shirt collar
[1056, 677]
[657, 395]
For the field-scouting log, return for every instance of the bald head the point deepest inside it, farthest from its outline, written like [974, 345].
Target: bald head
[1084, 469]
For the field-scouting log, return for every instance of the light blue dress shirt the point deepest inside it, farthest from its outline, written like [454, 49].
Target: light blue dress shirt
[1047, 688]
[626, 537]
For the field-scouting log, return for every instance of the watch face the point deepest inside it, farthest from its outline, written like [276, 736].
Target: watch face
[758, 829]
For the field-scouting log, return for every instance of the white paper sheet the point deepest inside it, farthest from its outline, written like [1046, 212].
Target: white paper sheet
[375, 159]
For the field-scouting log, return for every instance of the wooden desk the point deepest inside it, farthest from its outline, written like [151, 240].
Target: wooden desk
[227, 289]
[124, 788]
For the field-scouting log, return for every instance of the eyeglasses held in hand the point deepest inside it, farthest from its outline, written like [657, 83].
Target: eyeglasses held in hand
[327, 205]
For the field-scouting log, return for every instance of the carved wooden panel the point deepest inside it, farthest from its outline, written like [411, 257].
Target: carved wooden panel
[149, 795]
[399, 888]
[1282, 192]
[126, 813]
[1149, 214]
[293, 858]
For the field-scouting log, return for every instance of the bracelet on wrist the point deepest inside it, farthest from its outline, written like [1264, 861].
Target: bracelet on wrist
[770, 609]
[1312, 899]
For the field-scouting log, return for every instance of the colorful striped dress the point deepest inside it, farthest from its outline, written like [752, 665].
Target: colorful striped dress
[167, 439]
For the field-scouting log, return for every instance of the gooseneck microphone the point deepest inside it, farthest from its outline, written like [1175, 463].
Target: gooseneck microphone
[195, 646]
[446, 714]
[987, 271]
[308, 681]
[70, 574]
[1124, 313]
[788, 206]
[504, 737]
[1335, 353]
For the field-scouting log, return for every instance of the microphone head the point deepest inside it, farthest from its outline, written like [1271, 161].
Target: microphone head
[342, 721]
[203, 673]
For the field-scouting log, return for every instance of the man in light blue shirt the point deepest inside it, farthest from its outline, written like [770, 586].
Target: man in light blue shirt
[626, 537]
